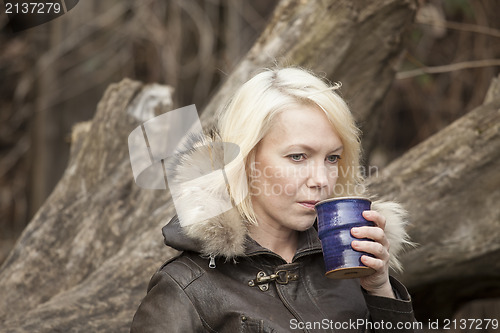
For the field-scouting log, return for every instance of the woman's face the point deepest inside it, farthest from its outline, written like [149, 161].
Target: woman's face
[296, 165]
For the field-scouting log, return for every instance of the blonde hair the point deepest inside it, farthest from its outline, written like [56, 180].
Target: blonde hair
[249, 114]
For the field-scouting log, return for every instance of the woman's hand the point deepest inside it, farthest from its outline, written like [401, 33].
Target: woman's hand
[378, 283]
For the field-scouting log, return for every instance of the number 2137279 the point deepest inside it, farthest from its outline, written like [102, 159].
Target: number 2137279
[32, 7]
[470, 324]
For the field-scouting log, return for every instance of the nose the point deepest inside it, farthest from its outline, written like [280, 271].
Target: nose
[318, 175]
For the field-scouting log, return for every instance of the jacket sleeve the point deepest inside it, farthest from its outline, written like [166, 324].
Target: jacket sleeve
[166, 308]
[391, 315]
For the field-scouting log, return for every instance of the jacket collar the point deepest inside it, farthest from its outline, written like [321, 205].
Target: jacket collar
[308, 242]
[226, 234]
[175, 237]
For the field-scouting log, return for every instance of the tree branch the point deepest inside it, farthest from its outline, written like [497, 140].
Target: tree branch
[448, 68]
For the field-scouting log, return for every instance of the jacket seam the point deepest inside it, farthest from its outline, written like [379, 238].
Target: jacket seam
[188, 267]
[198, 275]
[175, 257]
[388, 310]
[202, 320]
[308, 292]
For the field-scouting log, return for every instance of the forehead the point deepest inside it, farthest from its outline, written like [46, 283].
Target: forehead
[302, 124]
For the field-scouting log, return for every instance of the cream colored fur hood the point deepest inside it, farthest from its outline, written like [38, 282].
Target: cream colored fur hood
[225, 234]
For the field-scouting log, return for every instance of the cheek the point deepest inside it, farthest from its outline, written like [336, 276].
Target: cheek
[333, 176]
[284, 185]
[291, 179]
[333, 180]
[290, 185]
[277, 181]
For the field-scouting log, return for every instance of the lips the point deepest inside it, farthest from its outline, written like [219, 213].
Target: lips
[309, 203]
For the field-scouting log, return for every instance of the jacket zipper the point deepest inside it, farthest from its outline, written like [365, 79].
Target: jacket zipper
[211, 264]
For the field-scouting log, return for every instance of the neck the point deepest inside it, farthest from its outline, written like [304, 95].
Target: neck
[281, 241]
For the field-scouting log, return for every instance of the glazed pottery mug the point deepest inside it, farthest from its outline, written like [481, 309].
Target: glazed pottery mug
[336, 217]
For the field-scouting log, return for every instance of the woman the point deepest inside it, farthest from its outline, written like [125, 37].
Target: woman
[258, 266]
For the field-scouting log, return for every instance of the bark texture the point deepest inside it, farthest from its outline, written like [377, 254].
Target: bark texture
[451, 185]
[355, 42]
[83, 262]
[85, 259]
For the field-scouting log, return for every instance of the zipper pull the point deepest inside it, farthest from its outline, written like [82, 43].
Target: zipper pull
[212, 261]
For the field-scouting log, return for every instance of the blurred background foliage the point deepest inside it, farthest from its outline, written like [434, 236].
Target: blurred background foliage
[448, 35]
[53, 76]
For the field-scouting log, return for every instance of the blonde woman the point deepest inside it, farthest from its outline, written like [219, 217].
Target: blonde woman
[258, 266]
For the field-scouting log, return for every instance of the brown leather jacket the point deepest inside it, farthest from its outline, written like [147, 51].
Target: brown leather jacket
[225, 282]
[186, 295]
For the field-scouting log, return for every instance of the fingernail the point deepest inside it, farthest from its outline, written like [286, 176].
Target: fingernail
[355, 230]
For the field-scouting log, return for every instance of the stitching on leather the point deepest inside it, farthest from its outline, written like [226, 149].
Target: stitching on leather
[388, 310]
[203, 321]
[196, 273]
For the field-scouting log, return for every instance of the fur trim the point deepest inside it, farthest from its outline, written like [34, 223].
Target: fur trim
[396, 221]
[224, 235]
[204, 208]
[208, 215]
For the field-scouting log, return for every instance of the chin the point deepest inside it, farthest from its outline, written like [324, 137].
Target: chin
[303, 226]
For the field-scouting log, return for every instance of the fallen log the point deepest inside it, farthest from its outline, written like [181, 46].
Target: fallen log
[451, 185]
[355, 42]
[84, 261]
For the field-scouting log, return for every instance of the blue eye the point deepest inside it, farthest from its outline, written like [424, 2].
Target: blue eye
[333, 158]
[296, 157]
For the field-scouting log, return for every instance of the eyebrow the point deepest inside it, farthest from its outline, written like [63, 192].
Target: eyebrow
[306, 147]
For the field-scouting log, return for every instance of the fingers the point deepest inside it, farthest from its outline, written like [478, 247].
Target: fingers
[374, 233]
[380, 247]
[381, 260]
[377, 249]
[374, 216]
[376, 264]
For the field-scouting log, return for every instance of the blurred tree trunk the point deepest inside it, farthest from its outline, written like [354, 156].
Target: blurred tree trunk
[45, 131]
[451, 185]
[84, 261]
[355, 42]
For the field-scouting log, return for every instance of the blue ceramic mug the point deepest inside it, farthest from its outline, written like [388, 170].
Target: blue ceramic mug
[336, 217]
